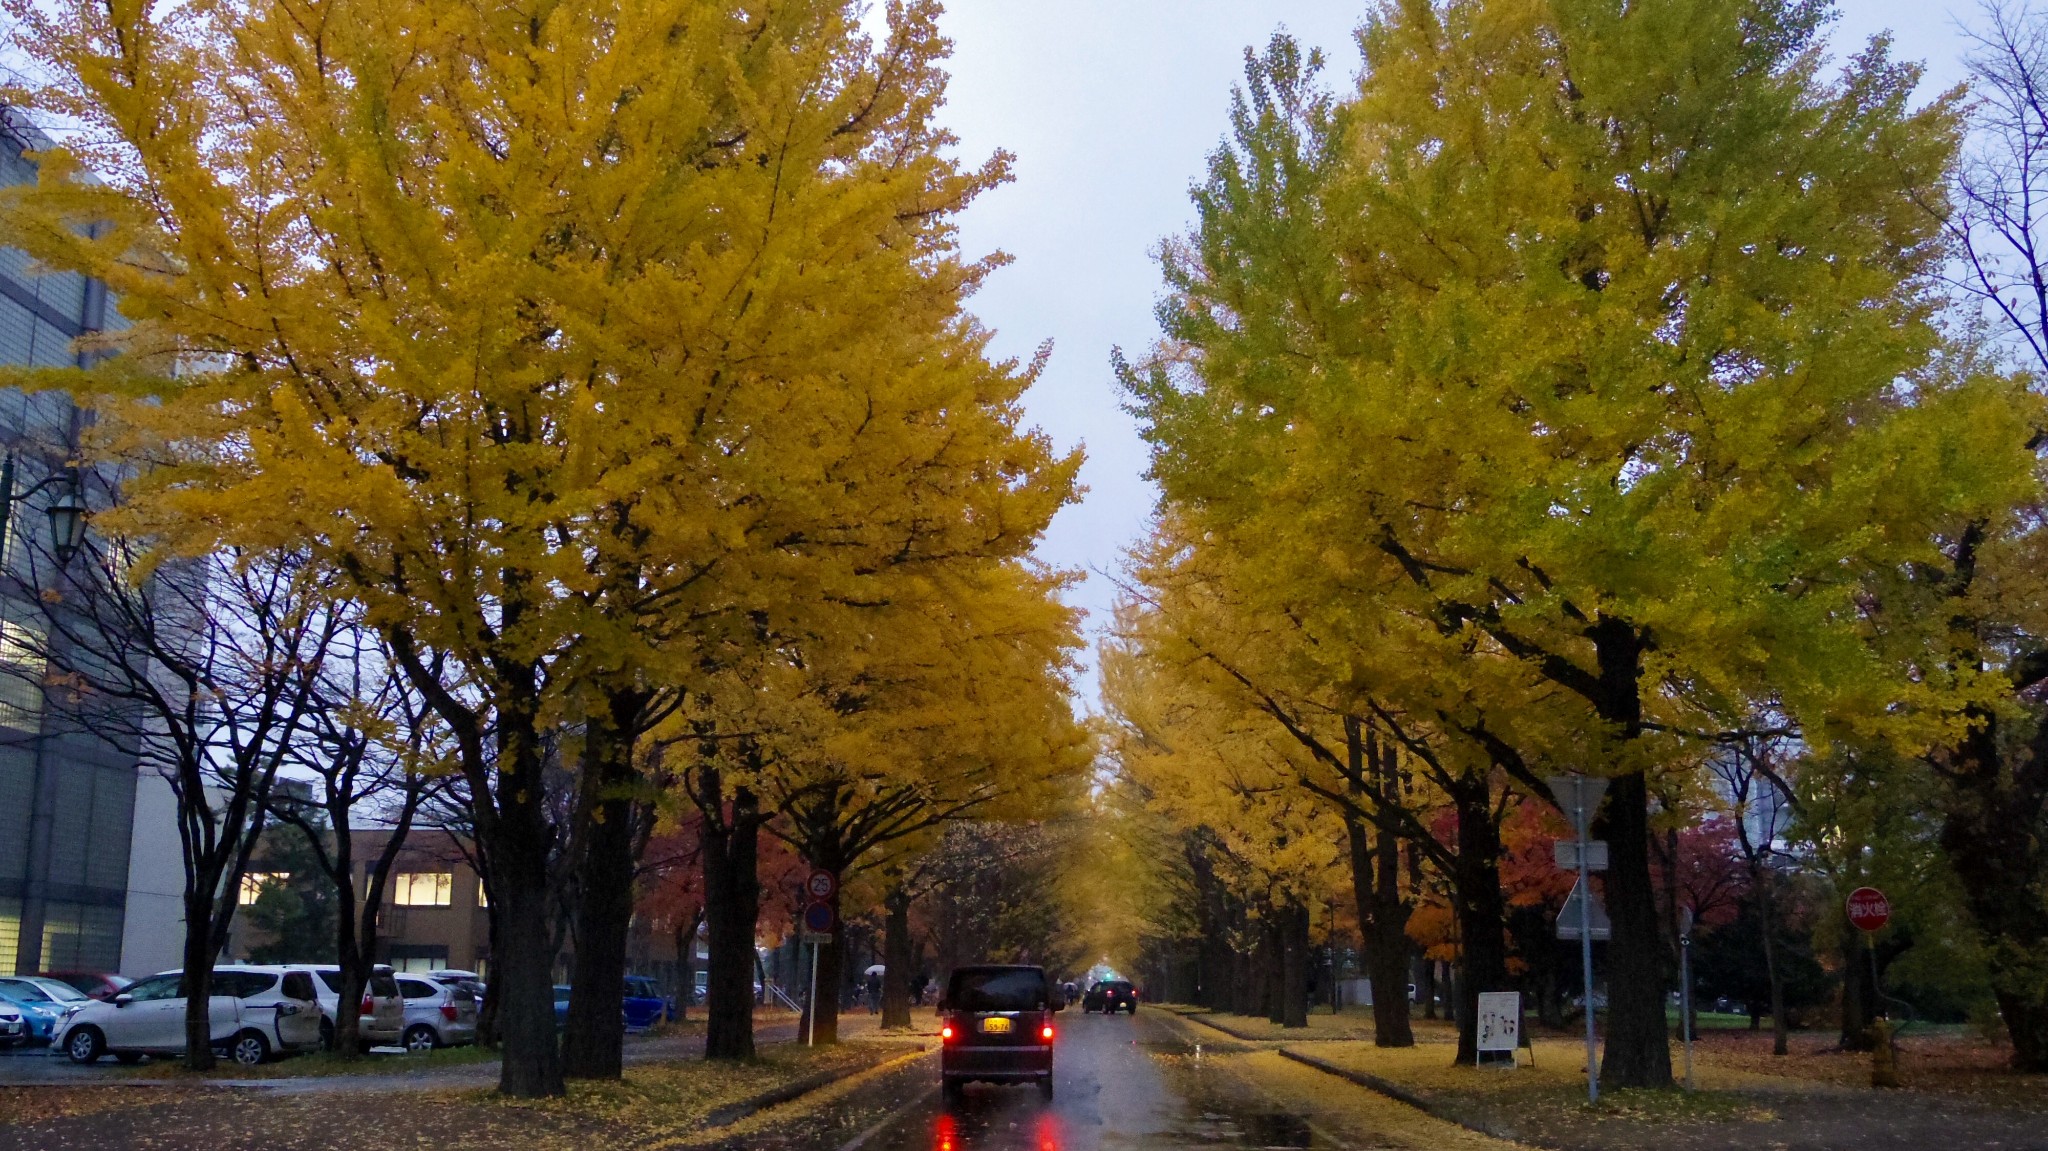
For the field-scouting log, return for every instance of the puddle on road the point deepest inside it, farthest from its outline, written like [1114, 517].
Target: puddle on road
[1263, 1130]
[1222, 1112]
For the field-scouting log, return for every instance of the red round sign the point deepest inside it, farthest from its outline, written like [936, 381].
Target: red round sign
[1869, 909]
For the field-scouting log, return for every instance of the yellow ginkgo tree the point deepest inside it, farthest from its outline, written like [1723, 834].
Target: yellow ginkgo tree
[589, 341]
[1601, 339]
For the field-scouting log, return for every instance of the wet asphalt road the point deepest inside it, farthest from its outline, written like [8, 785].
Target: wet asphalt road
[1120, 1083]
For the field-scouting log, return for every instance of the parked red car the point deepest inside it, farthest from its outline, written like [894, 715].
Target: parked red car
[98, 985]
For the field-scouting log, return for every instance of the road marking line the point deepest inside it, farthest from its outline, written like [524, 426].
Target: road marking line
[889, 1120]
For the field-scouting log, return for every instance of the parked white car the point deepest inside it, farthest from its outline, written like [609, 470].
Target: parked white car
[381, 1018]
[256, 1012]
[13, 1028]
[439, 1012]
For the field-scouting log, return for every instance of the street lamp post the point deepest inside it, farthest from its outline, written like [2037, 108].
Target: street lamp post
[67, 511]
[67, 532]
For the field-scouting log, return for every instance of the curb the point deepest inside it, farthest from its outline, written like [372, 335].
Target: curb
[1394, 1091]
[1203, 1019]
[732, 1113]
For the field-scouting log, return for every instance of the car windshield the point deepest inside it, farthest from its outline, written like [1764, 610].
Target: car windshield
[998, 989]
[23, 990]
[60, 991]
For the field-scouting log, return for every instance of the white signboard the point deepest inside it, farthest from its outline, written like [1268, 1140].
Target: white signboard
[1566, 853]
[1500, 1020]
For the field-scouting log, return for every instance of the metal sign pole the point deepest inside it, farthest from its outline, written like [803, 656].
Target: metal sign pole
[811, 1004]
[1685, 990]
[1586, 945]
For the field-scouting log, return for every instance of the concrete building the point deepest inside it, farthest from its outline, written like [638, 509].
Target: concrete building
[69, 855]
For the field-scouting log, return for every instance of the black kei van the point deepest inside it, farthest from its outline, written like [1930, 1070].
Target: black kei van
[995, 1024]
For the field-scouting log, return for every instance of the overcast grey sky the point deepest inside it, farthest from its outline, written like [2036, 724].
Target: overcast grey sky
[1111, 107]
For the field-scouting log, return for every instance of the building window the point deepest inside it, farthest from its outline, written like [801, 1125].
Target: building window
[254, 882]
[418, 957]
[423, 888]
[22, 667]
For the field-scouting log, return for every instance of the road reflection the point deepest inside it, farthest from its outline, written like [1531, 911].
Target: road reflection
[950, 1134]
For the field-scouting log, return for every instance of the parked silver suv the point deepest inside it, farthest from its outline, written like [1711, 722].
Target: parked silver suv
[439, 1012]
[382, 1019]
[255, 1011]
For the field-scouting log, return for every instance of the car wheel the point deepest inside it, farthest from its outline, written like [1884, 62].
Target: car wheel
[249, 1049]
[952, 1089]
[420, 1037]
[1045, 1087]
[128, 1058]
[85, 1045]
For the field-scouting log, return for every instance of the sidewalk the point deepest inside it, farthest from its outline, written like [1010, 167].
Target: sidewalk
[1737, 1108]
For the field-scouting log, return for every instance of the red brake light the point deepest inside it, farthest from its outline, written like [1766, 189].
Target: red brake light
[946, 1032]
[1046, 1031]
[369, 1006]
[448, 1012]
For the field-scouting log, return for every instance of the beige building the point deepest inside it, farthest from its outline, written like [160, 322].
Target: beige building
[435, 914]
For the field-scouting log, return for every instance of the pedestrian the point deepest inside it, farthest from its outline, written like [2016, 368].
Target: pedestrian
[874, 992]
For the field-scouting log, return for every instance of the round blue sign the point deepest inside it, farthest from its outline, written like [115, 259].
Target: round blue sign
[818, 918]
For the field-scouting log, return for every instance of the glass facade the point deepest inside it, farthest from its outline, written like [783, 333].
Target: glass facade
[67, 800]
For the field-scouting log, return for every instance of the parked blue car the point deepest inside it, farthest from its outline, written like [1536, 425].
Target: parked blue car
[43, 1004]
[643, 1005]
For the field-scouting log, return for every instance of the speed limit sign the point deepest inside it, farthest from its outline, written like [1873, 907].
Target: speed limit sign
[821, 884]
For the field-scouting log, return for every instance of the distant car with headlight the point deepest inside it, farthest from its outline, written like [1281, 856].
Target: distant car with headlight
[1110, 996]
[995, 1025]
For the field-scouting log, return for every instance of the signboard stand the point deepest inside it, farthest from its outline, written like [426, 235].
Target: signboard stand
[1500, 1026]
[1578, 796]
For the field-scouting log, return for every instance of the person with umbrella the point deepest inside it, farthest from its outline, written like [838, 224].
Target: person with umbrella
[875, 989]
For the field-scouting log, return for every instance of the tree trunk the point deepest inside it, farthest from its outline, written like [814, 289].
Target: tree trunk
[1859, 993]
[1294, 960]
[1638, 1052]
[1767, 904]
[686, 962]
[1991, 833]
[1273, 980]
[198, 977]
[732, 901]
[1376, 884]
[1482, 913]
[896, 959]
[1247, 975]
[350, 956]
[593, 1044]
[523, 956]
[831, 972]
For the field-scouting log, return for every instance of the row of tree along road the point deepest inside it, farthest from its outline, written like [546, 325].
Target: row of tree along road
[571, 407]
[1598, 389]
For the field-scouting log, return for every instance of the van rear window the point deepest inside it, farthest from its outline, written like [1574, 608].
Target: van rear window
[998, 990]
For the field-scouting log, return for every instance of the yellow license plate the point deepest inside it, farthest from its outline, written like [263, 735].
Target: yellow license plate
[995, 1026]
